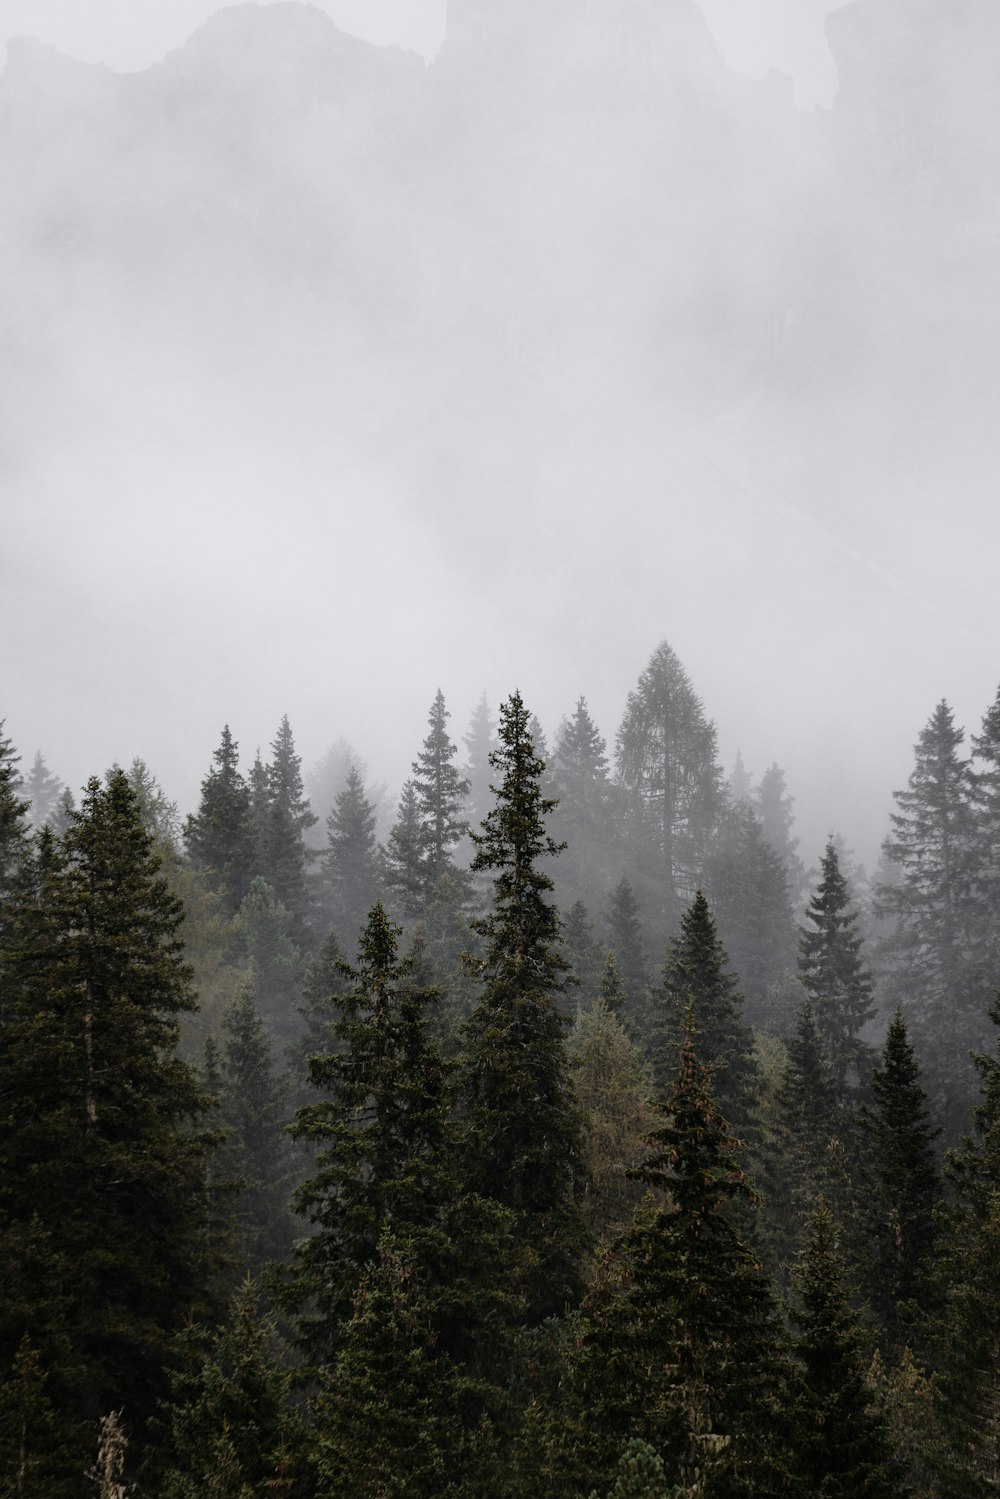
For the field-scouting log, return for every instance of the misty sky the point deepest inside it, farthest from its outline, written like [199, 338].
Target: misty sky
[315, 398]
[754, 35]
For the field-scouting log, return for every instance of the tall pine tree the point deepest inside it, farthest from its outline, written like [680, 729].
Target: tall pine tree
[833, 974]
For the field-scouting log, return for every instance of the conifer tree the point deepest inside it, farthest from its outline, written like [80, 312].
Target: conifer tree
[442, 792]
[613, 1089]
[832, 972]
[524, 1143]
[480, 744]
[289, 819]
[843, 1448]
[389, 1416]
[254, 1154]
[14, 829]
[351, 864]
[749, 887]
[929, 953]
[666, 761]
[33, 1460]
[625, 940]
[583, 954]
[698, 997]
[774, 808]
[381, 1132]
[581, 778]
[986, 808]
[233, 1429]
[406, 855]
[99, 1142]
[263, 935]
[903, 1192]
[43, 791]
[640, 1475]
[219, 837]
[681, 1344]
[611, 989]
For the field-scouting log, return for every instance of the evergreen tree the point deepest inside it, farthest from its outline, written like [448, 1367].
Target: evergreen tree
[99, 1145]
[233, 1430]
[902, 1193]
[929, 954]
[263, 935]
[406, 855]
[157, 813]
[14, 829]
[351, 863]
[640, 1475]
[666, 761]
[843, 1448]
[774, 807]
[480, 744]
[698, 997]
[381, 1131]
[389, 1416]
[254, 1154]
[611, 990]
[219, 837]
[289, 819]
[748, 882]
[43, 791]
[33, 1460]
[830, 967]
[625, 939]
[441, 793]
[613, 1090]
[583, 954]
[681, 1344]
[524, 1143]
[581, 778]
[739, 787]
[986, 808]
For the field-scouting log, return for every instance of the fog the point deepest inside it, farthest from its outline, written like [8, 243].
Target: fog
[335, 372]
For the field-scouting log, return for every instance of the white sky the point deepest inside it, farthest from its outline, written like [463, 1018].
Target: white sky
[754, 35]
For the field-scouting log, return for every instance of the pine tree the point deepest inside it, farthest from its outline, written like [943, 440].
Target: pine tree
[666, 761]
[33, 1460]
[986, 809]
[100, 1148]
[584, 957]
[748, 883]
[843, 1448]
[263, 934]
[681, 1344]
[930, 953]
[389, 1416]
[254, 1154]
[43, 791]
[381, 1131]
[640, 1475]
[902, 1192]
[524, 1143]
[441, 793]
[698, 997]
[625, 939]
[351, 864]
[833, 974]
[480, 744]
[774, 807]
[233, 1430]
[289, 819]
[219, 837]
[581, 779]
[14, 829]
[406, 855]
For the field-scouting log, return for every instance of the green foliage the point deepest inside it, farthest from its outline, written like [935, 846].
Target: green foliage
[381, 1132]
[263, 937]
[289, 818]
[405, 855]
[749, 885]
[698, 998]
[441, 792]
[43, 791]
[351, 863]
[523, 1132]
[902, 1192]
[831, 969]
[220, 837]
[233, 1431]
[625, 939]
[102, 1165]
[843, 1447]
[640, 1475]
[480, 744]
[33, 1460]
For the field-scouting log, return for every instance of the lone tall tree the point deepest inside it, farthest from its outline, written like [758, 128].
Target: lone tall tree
[441, 793]
[524, 1132]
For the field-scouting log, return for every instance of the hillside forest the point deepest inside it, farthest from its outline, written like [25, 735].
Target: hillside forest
[553, 1128]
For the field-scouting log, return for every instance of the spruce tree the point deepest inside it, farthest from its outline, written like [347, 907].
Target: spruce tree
[351, 863]
[524, 1143]
[929, 952]
[14, 830]
[584, 956]
[774, 808]
[380, 1130]
[624, 931]
[441, 792]
[219, 837]
[43, 791]
[986, 809]
[843, 1448]
[749, 887]
[903, 1193]
[666, 760]
[698, 997]
[289, 819]
[406, 856]
[833, 974]
[681, 1345]
[263, 935]
[100, 1145]
[480, 744]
